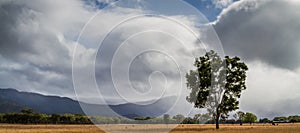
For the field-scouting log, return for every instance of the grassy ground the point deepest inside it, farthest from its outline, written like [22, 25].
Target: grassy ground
[258, 128]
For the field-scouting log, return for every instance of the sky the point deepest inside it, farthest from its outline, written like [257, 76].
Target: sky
[40, 40]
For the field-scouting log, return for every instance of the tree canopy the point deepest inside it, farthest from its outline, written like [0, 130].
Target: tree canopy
[216, 84]
[249, 118]
[239, 115]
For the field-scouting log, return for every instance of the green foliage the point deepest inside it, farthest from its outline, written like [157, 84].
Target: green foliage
[281, 118]
[102, 120]
[249, 118]
[264, 120]
[29, 117]
[117, 120]
[294, 118]
[136, 120]
[142, 118]
[166, 118]
[203, 118]
[27, 111]
[24, 118]
[216, 84]
[67, 119]
[238, 116]
[178, 118]
[54, 119]
[35, 118]
[190, 120]
[1, 118]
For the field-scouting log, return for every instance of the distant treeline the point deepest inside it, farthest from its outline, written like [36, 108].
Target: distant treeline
[28, 116]
[292, 119]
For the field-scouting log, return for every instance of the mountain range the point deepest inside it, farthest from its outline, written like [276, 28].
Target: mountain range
[12, 100]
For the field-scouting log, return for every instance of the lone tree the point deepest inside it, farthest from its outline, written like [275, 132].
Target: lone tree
[179, 118]
[166, 118]
[202, 118]
[249, 118]
[239, 115]
[216, 84]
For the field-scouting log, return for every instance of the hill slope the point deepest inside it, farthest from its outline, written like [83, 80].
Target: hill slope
[12, 100]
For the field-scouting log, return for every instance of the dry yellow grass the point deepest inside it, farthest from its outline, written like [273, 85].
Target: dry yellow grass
[15, 128]
[258, 128]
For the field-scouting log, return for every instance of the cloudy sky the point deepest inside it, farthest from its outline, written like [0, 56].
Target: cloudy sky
[113, 45]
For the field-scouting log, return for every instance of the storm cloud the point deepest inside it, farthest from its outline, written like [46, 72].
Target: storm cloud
[265, 34]
[35, 51]
[262, 30]
[38, 40]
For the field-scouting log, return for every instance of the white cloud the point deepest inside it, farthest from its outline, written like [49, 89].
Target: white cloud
[40, 36]
[259, 30]
[38, 39]
[264, 33]
[271, 91]
[222, 3]
[153, 38]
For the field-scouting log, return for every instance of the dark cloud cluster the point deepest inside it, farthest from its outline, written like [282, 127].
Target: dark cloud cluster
[43, 61]
[262, 30]
[38, 39]
[265, 34]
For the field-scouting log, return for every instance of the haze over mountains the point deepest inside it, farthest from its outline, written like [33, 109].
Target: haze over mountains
[12, 100]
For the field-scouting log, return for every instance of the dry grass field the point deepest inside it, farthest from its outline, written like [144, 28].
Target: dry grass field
[258, 128]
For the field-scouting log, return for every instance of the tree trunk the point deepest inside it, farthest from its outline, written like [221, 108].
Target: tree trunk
[217, 118]
[217, 123]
